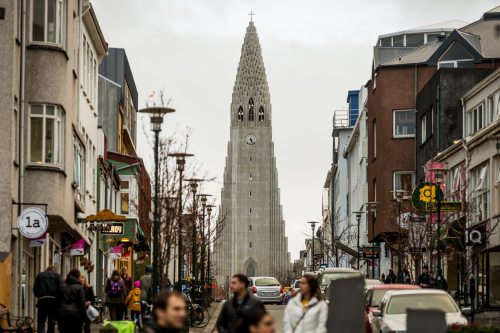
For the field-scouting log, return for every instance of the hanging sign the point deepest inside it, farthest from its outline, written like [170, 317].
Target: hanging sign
[32, 223]
[37, 242]
[445, 206]
[78, 248]
[110, 228]
[424, 194]
[370, 252]
[115, 252]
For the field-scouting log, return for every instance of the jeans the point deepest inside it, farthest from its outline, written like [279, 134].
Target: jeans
[47, 312]
[135, 315]
[116, 311]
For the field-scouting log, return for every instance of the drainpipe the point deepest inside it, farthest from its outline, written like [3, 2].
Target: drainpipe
[20, 199]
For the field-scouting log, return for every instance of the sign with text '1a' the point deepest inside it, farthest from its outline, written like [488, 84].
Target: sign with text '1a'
[32, 222]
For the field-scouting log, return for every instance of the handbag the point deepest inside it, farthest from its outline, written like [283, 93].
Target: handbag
[92, 313]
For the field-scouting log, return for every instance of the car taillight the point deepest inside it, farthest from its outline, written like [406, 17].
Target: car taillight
[254, 290]
[292, 291]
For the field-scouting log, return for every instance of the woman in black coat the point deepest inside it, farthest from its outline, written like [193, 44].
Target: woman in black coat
[89, 300]
[71, 304]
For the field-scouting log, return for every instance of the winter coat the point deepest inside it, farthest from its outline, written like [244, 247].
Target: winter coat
[71, 301]
[47, 285]
[146, 292]
[133, 300]
[314, 320]
[232, 313]
[111, 298]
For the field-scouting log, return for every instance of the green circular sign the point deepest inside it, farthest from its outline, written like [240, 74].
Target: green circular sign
[426, 193]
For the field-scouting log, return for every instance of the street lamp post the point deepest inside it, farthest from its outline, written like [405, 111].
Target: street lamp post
[203, 198]
[313, 226]
[209, 211]
[181, 163]
[193, 182]
[399, 199]
[439, 175]
[358, 219]
[156, 116]
[373, 210]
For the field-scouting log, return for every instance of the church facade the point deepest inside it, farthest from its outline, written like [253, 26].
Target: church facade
[251, 230]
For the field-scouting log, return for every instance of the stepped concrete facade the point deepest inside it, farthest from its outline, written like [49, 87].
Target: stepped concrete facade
[251, 231]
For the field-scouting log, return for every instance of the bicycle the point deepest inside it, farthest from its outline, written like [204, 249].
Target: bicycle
[198, 316]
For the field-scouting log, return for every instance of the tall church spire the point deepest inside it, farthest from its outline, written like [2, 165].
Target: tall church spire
[251, 79]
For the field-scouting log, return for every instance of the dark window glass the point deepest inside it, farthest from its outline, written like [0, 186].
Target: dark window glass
[398, 40]
[385, 41]
[250, 110]
[38, 20]
[414, 39]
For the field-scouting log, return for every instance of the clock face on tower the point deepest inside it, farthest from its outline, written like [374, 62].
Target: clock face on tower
[251, 139]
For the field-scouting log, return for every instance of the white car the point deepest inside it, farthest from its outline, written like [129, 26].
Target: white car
[391, 315]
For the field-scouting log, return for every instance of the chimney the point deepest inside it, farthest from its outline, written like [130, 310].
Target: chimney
[442, 36]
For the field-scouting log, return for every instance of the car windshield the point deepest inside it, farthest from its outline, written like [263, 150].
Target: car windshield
[377, 297]
[400, 303]
[297, 284]
[326, 278]
[266, 282]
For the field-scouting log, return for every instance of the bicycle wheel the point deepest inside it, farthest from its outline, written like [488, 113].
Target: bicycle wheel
[200, 316]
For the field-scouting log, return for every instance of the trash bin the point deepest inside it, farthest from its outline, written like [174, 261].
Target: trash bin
[121, 326]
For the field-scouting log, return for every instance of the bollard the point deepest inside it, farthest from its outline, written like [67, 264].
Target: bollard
[346, 307]
[418, 321]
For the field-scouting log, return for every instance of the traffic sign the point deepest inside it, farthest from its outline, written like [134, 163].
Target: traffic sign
[32, 222]
[370, 252]
[445, 206]
[425, 193]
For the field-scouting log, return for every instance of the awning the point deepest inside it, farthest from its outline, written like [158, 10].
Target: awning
[344, 248]
[58, 225]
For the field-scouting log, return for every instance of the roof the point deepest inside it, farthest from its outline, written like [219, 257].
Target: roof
[435, 27]
[417, 56]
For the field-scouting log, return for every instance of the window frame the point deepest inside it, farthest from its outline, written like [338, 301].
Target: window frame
[400, 172]
[480, 196]
[61, 23]
[476, 118]
[79, 164]
[125, 191]
[60, 137]
[400, 136]
[423, 128]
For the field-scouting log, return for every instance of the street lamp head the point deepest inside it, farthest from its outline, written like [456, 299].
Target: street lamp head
[180, 159]
[313, 224]
[156, 114]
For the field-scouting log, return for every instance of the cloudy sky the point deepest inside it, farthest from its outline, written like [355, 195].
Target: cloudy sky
[314, 51]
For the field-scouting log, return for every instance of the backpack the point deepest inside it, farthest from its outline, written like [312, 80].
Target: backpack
[116, 288]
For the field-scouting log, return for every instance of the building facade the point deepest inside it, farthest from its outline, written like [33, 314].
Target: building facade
[252, 238]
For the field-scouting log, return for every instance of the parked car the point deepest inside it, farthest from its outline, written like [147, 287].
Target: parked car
[267, 289]
[295, 287]
[373, 297]
[391, 314]
[330, 274]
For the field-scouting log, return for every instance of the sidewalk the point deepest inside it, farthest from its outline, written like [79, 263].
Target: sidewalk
[487, 318]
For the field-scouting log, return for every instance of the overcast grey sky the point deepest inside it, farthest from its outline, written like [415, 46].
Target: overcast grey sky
[314, 52]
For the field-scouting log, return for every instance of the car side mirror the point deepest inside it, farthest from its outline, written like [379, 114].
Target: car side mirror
[466, 311]
[377, 313]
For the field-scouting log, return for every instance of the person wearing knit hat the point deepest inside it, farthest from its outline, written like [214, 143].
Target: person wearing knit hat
[133, 301]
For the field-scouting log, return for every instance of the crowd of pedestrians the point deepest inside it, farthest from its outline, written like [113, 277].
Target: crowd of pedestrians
[424, 280]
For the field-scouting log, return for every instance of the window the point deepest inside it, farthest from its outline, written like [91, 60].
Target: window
[387, 41]
[48, 21]
[261, 114]
[15, 135]
[404, 123]
[46, 134]
[250, 227]
[413, 40]
[476, 119]
[423, 129]
[374, 81]
[250, 110]
[250, 211]
[78, 165]
[498, 171]
[250, 177]
[403, 181]
[480, 193]
[240, 114]
[124, 196]
[374, 139]
[250, 194]
[398, 40]
[250, 244]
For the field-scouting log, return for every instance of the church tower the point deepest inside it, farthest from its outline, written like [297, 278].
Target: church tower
[251, 232]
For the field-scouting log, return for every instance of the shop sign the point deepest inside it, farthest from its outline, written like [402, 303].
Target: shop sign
[425, 193]
[417, 250]
[370, 252]
[32, 223]
[445, 206]
[113, 228]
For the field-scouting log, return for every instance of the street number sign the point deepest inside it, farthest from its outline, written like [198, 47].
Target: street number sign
[32, 222]
[426, 193]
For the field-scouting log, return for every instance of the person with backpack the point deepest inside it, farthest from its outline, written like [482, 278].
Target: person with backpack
[115, 296]
[306, 312]
[133, 301]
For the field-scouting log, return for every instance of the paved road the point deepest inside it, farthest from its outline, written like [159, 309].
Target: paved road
[275, 310]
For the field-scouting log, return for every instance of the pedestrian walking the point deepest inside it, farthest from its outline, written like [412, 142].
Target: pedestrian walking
[115, 296]
[146, 292]
[235, 310]
[88, 291]
[46, 290]
[424, 280]
[127, 283]
[391, 277]
[133, 302]
[405, 275]
[440, 282]
[258, 321]
[71, 304]
[382, 278]
[306, 312]
[169, 313]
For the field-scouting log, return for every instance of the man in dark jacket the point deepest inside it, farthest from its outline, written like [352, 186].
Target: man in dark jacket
[235, 310]
[424, 280]
[71, 304]
[440, 282]
[46, 289]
